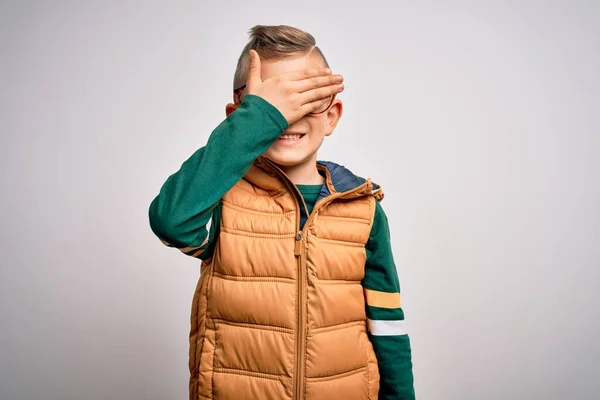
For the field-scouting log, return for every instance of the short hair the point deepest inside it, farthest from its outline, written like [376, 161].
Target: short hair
[273, 42]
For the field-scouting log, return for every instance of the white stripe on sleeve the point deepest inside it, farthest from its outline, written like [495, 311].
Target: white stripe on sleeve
[387, 328]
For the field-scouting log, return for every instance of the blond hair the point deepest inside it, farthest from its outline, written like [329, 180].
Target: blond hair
[273, 42]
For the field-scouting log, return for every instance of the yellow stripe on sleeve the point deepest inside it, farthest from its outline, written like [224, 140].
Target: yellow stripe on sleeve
[375, 298]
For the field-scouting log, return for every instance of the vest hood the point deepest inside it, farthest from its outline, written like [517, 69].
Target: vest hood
[342, 180]
[338, 179]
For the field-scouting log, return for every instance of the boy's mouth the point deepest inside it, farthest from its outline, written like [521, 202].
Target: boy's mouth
[292, 136]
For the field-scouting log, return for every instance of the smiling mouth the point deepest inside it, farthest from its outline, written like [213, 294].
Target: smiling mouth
[291, 136]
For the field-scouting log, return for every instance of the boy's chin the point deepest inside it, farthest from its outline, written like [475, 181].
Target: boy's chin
[286, 160]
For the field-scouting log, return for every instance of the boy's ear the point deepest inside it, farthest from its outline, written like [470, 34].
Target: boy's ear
[333, 116]
[229, 108]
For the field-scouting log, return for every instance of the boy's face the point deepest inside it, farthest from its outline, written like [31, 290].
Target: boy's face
[313, 128]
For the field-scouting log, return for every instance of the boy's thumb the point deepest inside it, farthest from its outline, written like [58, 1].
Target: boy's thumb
[254, 72]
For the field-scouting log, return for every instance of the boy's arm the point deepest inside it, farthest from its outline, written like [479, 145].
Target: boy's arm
[387, 329]
[185, 204]
[189, 198]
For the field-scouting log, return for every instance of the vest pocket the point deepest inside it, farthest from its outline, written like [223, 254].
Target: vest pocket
[198, 332]
[372, 368]
[351, 385]
[205, 378]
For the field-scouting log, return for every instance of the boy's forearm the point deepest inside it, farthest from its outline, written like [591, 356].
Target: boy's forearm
[180, 212]
[391, 344]
[395, 367]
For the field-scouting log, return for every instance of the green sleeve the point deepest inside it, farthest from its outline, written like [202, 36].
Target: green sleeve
[191, 196]
[385, 315]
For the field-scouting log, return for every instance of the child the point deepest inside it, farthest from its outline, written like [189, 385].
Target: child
[298, 296]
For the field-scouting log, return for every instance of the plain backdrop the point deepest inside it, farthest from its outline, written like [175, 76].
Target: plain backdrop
[479, 120]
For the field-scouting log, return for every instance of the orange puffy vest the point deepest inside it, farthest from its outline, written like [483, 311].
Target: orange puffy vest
[279, 312]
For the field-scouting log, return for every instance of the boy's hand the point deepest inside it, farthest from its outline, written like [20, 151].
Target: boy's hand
[295, 93]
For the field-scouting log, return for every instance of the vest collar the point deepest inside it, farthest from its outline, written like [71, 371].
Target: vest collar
[265, 174]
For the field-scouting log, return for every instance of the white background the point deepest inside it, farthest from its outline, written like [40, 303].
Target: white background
[478, 119]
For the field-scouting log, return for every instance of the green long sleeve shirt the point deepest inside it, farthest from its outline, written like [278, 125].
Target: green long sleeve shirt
[190, 199]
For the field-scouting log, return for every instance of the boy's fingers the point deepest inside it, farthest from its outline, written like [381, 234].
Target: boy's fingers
[318, 81]
[315, 105]
[307, 73]
[315, 95]
[254, 70]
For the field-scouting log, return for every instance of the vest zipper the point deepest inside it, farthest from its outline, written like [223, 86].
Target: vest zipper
[299, 253]
[301, 316]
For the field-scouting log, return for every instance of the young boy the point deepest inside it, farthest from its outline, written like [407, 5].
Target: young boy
[298, 296]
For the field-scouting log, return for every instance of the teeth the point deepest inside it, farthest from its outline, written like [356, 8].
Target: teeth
[291, 137]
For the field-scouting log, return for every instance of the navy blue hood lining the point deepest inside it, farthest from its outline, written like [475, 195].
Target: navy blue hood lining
[342, 178]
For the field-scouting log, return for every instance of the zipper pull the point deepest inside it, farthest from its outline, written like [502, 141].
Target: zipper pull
[298, 244]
